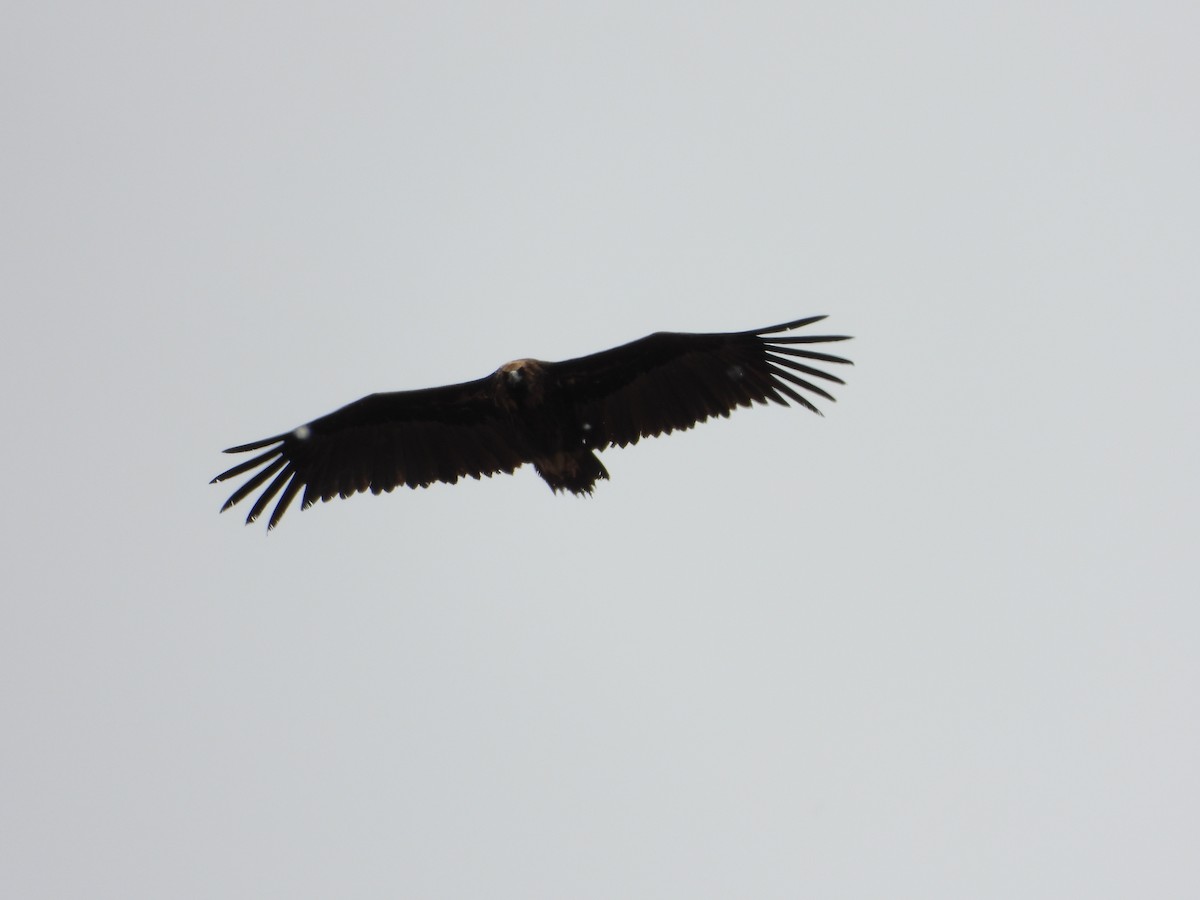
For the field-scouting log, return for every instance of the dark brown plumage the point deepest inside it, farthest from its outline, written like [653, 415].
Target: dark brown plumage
[551, 414]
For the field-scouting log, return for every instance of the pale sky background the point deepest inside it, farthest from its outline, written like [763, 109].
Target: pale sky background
[941, 643]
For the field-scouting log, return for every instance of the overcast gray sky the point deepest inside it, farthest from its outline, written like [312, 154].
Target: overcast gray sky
[938, 643]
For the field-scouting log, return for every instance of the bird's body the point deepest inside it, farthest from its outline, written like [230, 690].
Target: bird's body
[554, 415]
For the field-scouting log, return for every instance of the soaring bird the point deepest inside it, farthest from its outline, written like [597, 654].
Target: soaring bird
[551, 414]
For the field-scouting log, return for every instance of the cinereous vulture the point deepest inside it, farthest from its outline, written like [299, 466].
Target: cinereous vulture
[551, 414]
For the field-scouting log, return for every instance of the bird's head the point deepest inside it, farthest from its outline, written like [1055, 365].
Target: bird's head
[520, 382]
[520, 371]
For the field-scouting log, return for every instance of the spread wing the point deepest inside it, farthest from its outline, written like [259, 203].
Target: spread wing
[671, 381]
[378, 443]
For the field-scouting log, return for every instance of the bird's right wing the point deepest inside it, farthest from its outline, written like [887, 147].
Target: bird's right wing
[379, 443]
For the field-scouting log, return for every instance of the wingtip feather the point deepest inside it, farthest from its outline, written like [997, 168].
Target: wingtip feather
[256, 445]
[789, 326]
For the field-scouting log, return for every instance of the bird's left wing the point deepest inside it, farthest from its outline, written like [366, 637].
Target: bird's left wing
[378, 443]
[670, 381]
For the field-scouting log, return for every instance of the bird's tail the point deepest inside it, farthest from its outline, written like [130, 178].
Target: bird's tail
[575, 471]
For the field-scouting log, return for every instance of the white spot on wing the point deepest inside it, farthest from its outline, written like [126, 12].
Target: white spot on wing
[736, 372]
[303, 433]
